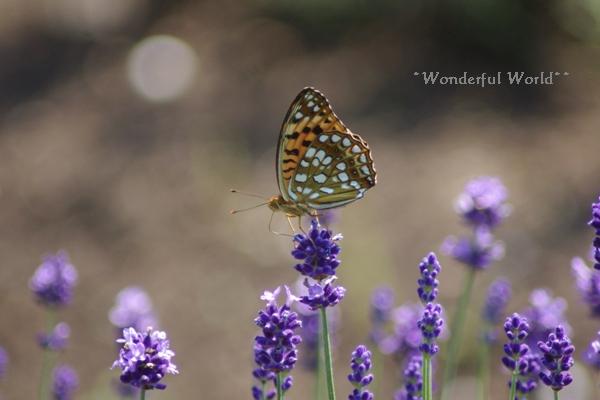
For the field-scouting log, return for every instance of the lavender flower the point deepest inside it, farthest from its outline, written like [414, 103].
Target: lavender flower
[382, 304]
[276, 350]
[264, 378]
[406, 336]
[595, 223]
[498, 295]
[587, 282]
[592, 354]
[557, 353]
[56, 340]
[133, 308]
[527, 375]
[413, 380]
[65, 382]
[431, 326]
[318, 251]
[322, 294]
[477, 252]
[544, 314]
[483, 202]
[53, 281]
[3, 362]
[516, 354]
[145, 358]
[360, 377]
[428, 283]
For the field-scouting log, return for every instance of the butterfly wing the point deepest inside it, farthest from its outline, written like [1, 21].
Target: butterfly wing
[320, 163]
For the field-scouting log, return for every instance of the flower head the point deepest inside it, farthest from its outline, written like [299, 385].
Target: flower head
[405, 337]
[595, 223]
[587, 282]
[413, 381]
[592, 354]
[428, 283]
[528, 370]
[498, 295]
[322, 294]
[360, 377]
[3, 362]
[483, 202]
[56, 340]
[259, 392]
[557, 358]
[145, 358]
[53, 281]
[477, 252]
[545, 313]
[276, 349]
[133, 308]
[65, 383]
[517, 330]
[318, 251]
[430, 324]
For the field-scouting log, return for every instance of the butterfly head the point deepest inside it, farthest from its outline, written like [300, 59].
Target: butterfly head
[278, 203]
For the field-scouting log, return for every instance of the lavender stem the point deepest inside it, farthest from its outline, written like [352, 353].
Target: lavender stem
[279, 382]
[143, 394]
[47, 360]
[327, 354]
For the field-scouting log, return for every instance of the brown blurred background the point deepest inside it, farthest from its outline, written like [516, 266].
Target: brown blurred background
[123, 123]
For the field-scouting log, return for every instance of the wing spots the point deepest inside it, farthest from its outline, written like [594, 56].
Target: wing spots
[321, 178]
[343, 177]
[316, 108]
[306, 143]
[306, 129]
[313, 196]
[326, 190]
[285, 171]
[310, 104]
[300, 178]
[362, 158]
[306, 191]
[298, 116]
[335, 138]
[323, 138]
[292, 195]
[292, 152]
[304, 163]
[345, 186]
[327, 160]
[318, 130]
[365, 170]
[356, 149]
[310, 153]
[299, 189]
[288, 160]
[346, 142]
[355, 184]
[293, 135]
[341, 166]
[315, 162]
[320, 155]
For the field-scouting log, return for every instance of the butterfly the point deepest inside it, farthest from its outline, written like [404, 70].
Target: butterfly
[320, 163]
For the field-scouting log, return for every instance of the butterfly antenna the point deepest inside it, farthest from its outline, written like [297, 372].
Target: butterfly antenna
[249, 208]
[258, 196]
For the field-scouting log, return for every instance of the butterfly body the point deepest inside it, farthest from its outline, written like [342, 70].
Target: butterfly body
[320, 163]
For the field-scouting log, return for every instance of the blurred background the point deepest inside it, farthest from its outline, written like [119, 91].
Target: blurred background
[123, 123]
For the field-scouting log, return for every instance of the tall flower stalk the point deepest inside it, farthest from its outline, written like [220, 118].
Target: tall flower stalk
[431, 321]
[482, 206]
[317, 253]
[515, 351]
[557, 359]
[52, 286]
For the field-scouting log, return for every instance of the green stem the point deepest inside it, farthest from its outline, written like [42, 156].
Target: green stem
[327, 355]
[513, 386]
[484, 370]
[143, 394]
[456, 328]
[319, 371]
[47, 361]
[556, 395]
[279, 384]
[427, 378]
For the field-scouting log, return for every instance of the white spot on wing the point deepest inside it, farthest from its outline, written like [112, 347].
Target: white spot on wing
[346, 142]
[365, 170]
[355, 184]
[310, 153]
[306, 190]
[335, 138]
[356, 149]
[292, 195]
[323, 138]
[298, 116]
[362, 158]
[321, 178]
[327, 160]
[320, 155]
[326, 190]
[341, 166]
[310, 104]
[313, 196]
[343, 176]
[300, 178]
[304, 163]
[315, 162]
[345, 186]
[316, 108]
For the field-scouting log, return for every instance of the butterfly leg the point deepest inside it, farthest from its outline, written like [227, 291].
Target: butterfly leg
[277, 233]
[291, 224]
